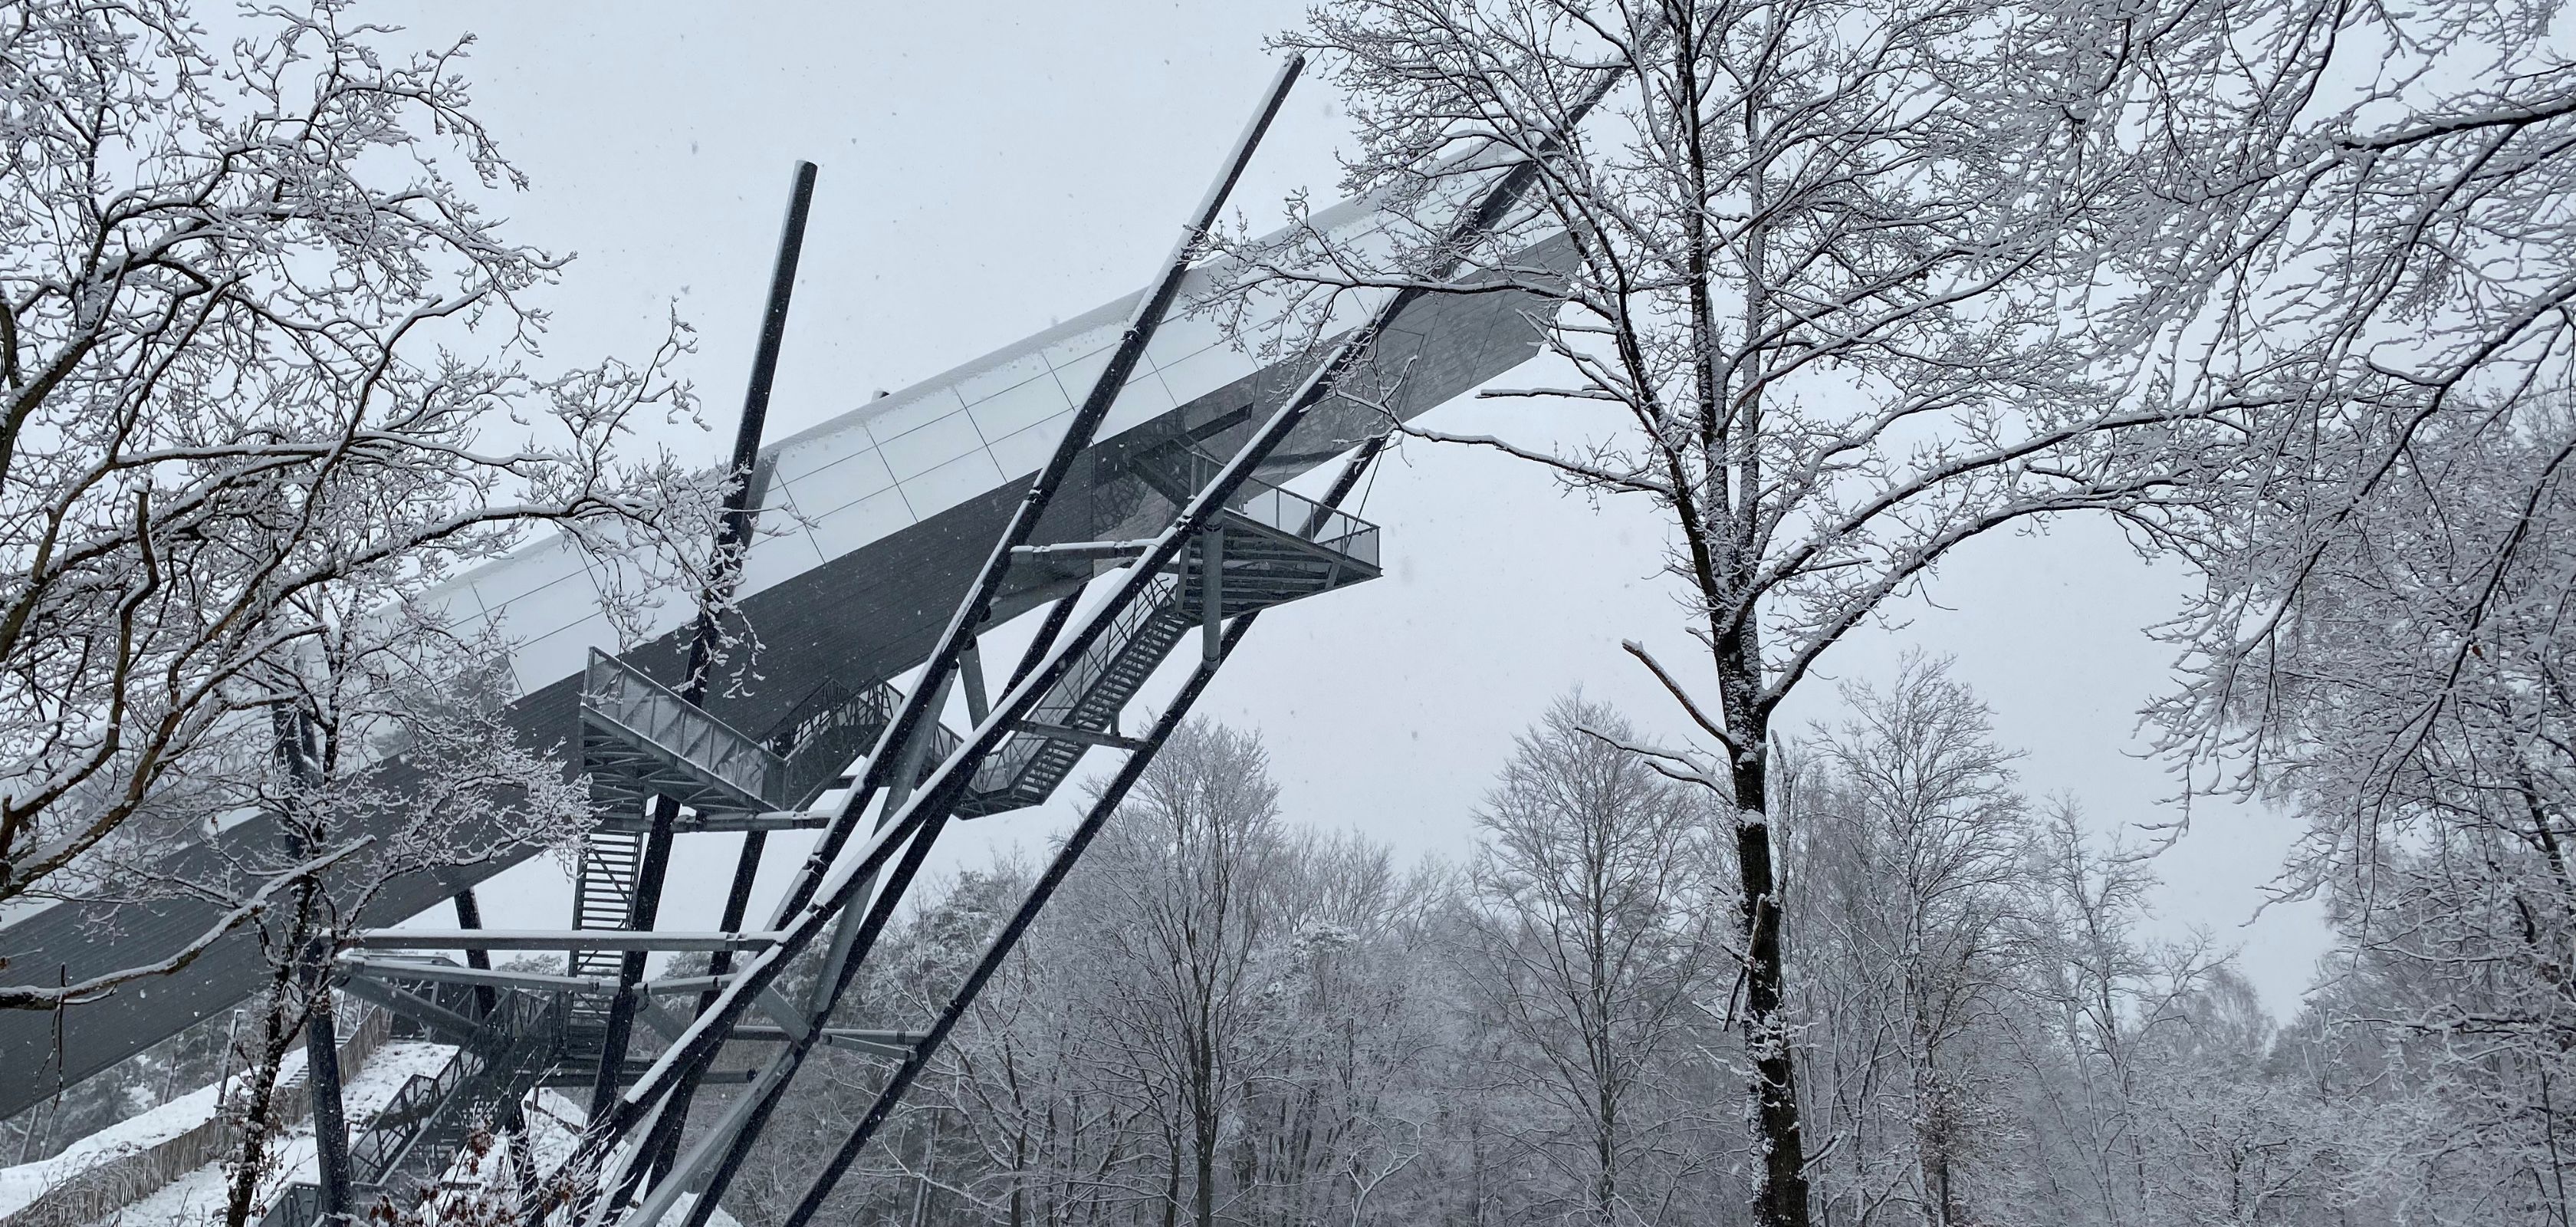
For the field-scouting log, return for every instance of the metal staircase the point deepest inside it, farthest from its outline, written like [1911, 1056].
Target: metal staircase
[640, 740]
[604, 894]
[1271, 547]
[413, 1141]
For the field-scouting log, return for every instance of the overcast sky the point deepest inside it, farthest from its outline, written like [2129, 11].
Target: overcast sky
[990, 168]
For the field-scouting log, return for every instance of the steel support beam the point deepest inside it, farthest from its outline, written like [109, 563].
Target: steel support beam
[1197, 518]
[469, 915]
[917, 820]
[298, 753]
[1084, 550]
[918, 1055]
[322, 1082]
[726, 822]
[678, 985]
[554, 939]
[449, 973]
[1212, 591]
[733, 537]
[433, 1017]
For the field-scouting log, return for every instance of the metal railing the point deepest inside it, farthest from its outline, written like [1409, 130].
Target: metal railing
[1000, 771]
[1302, 517]
[1277, 509]
[826, 731]
[831, 729]
[521, 1027]
[651, 712]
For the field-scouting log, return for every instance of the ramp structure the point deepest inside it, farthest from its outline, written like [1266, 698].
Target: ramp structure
[1122, 470]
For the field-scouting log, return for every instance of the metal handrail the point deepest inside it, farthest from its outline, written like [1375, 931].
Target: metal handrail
[624, 696]
[1003, 767]
[519, 1024]
[831, 727]
[1287, 512]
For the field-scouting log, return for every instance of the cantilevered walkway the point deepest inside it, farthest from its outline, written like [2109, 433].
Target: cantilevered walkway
[887, 512]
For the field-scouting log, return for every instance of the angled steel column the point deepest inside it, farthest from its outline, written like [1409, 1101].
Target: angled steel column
[322, 1083]
[1000, 947]
[1003, 942]
[733, 537]
[971, 611]
[835, 889]
[663, 1092]
[469, 915]
[1212, 591]
[1198, 518]
[1053, 626]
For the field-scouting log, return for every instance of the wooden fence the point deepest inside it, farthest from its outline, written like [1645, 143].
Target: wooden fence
[96, 1192]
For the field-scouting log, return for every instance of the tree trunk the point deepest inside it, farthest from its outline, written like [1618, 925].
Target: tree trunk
[259, 1111]
[1204, 1131]
[1780, 1200]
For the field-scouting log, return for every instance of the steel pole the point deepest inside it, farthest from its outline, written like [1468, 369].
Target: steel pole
[1039, 894]
[1005, 941]
[951, 780]
[733, 536]
[962, 626]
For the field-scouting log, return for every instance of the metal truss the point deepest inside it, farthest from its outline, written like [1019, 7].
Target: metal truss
[1229, 547]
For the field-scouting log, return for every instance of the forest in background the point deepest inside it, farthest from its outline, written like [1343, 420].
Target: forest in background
[1230, 1016]
[2283, 290]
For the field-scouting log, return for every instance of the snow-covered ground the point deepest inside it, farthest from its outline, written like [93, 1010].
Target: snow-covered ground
[198, 1195]
[197, 1198]
[20, 1185]
[191, 1197]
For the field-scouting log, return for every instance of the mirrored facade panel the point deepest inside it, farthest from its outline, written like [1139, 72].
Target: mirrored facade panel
[1024, 453]
[859, 523]
[1013, 409]
[846, 481]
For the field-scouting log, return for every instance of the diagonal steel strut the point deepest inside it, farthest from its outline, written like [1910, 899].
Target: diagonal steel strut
[662, 1094]
[830, 892]
[1220, 645]
[733, 539]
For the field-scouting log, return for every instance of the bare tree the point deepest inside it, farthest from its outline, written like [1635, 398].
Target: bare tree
[2362, 292]
[1596, 928]
[1190, 872]
[1911, 874]
[1353, 1009]
[259, 352]
[2106, 991]
[1810, 269]
[390, 756]
[2414, 708]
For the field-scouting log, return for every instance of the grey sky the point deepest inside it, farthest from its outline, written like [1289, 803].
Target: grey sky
[990, 168]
